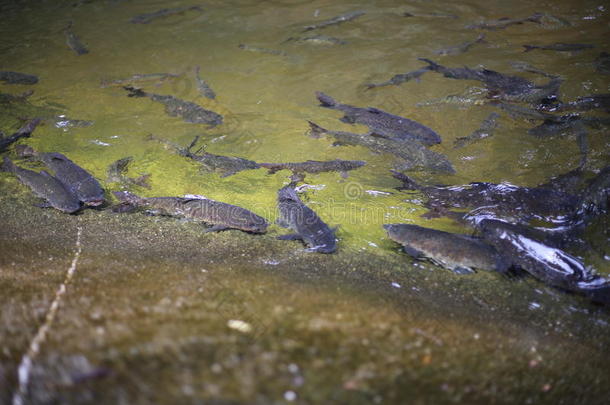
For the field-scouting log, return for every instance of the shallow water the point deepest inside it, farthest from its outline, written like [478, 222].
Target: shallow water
[319, 321]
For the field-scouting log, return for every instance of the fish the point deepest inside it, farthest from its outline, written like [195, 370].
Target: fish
[433, 15]
[555, 125]
[519, 111]
[502, 200]
[164, 12]
[400, 78]
[382, 123]
[602, 63]
[17, 78]
[204, 89]
[456, 252]
[596, 196]
[460, 48]
[175, 107]
[306, 224]
[76, 179]
[23, 132]
[485, 130]
[586, 103]
[224, 165]
[317, 40]
[219, 215]
[544, 261]
[46, 187]
[505, 22]
[334, 21]
[458, 99]
[499, 85]
[257, 49]
[137, 78]
[74, 42]
[559, 46]
[116, 174]
[526, 67]
[315, 166]
[412, 155]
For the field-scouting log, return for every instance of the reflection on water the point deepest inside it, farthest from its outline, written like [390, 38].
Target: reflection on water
[264, 63]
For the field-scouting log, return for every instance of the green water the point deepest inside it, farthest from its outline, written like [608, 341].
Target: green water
[335, 328]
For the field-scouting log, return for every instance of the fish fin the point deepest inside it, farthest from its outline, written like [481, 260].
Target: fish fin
[290, 236]
[463, 270]
[315, 131]
[433, 65]
[374, 110]
[344, 174]
[348, 119]
[339, 143]
[296, 178]
[217, 228]
[413, 252]
[134, 92]
[377, 135]
[325, 100]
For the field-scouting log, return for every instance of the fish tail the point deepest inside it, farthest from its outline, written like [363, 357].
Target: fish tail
[133, 92]
[128, 198]
[315, 130]
[7, 165]
[433, 65]
[326, 100]
[408, 183]
[529, 48]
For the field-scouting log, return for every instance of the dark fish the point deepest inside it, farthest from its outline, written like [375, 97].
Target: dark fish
[116, 174]
[204, 89]
[433, 15]
[413, 155]
[304, 222]
[558, 46]
[500, 85]
[586, 103]
[74, 42]
[224, 165]
[544, 261]
[556, 125]
[602, 63]
[45, 186]
[315, 166]
[86, 188]
[257, 49]
[17, 78]
[318, 40]
[138, 78]
[504, 22]
[218, 215]
[164, 12]
[456, 252]
[401, 78]
[334, 21]
[175, 107]
[460, 48]
[485, 130]
[382, 123]
[502, 200]
[23, 132]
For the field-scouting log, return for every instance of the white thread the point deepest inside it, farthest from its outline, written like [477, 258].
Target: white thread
[25, 365]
